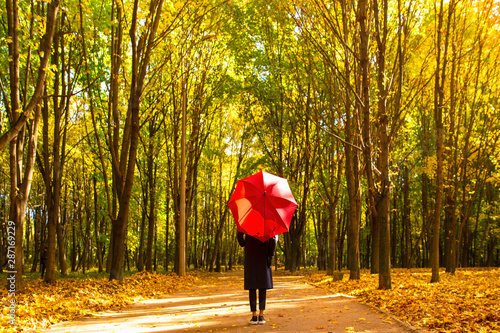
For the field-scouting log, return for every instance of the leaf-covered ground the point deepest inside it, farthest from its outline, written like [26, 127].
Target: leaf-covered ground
[468, 301]
[41, 304]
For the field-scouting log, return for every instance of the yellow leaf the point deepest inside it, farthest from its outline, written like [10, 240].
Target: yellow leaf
[178, 5]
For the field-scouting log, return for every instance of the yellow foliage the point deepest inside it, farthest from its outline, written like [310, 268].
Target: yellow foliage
[41, 305]
[468, 301]
[429, 166]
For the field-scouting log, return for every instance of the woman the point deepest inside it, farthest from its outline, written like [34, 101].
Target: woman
[258, 272]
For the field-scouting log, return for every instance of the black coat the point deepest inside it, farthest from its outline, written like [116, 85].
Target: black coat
[258, 272]
[43, 258]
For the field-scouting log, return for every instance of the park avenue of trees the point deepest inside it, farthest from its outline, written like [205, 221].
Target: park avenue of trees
[124, 127]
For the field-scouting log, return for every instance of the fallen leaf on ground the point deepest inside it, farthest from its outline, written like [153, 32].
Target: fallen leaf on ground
[467, 301]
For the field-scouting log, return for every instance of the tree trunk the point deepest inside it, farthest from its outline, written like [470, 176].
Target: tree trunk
[382, 199]
[140, 250]
[88, 227]
[352, 158]
[182, 204]
[151, 174]
[436, 223]
[15, 136]
[426, 215]
[440, 75]
[49, 193]
[365, 109]
[37, 246]
[151, 217]
[27, 238]
[451, 190]
[332, 245]
[321, 236]
[63, 265]
[406, 249]
[383, 209]
[54, 159]
[124, 168]
[73, 248]
[20, 189]
[167, 229]
[375, 243]
[97, 227]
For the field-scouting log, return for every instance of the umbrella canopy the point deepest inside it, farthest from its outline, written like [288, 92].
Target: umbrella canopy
[262, 205]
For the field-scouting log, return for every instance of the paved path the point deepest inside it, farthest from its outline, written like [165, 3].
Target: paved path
[222, 306]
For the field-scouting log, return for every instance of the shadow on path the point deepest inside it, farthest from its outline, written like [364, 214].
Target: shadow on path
[222, 306]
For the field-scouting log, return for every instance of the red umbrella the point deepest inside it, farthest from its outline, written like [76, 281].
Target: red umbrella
[262, 205]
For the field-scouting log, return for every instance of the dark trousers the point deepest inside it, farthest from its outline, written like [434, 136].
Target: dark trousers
[253, 299]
